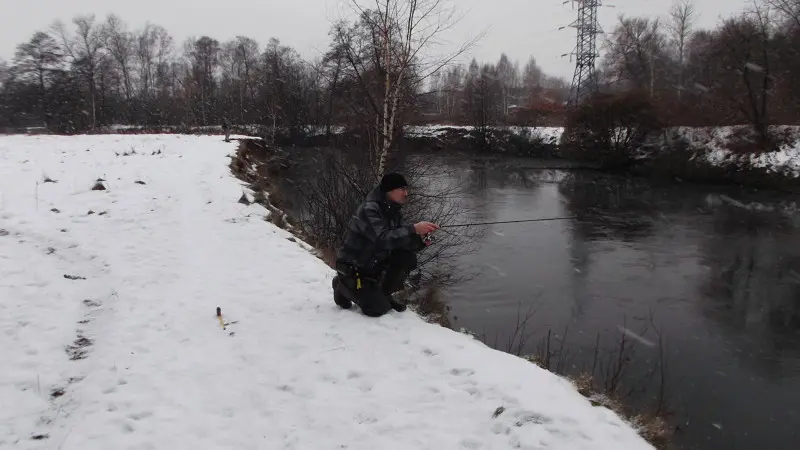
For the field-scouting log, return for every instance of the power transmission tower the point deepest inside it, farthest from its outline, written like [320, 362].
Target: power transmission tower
[584, 82]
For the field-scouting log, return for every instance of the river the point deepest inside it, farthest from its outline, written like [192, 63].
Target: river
[720, 283]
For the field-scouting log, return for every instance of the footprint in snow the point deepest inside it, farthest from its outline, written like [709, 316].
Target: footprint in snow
[471, 444]
[462, 372]
[570, 421]
[501, 428]
[365, 418]
[139, 416]
[527, 417]
[327, 378]
[555, 431]
[473, 391]
[428, 352]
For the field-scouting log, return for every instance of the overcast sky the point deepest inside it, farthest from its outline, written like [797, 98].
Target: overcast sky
[520, 28]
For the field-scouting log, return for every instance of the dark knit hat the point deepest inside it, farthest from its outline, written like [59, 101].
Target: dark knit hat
[392, 181]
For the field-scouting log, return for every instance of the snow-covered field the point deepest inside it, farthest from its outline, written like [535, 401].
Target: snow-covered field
[110, 338]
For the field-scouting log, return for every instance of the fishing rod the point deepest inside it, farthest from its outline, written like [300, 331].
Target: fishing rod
[428, 238]
[506, 221]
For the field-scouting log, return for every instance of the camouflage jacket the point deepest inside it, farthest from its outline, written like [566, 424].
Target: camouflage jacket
[376, 228]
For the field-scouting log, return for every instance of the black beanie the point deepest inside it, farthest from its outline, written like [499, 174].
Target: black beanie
[392, 181]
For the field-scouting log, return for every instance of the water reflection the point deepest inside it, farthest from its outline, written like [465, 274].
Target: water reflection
[608, 210]
[752, 288]
[722, 284]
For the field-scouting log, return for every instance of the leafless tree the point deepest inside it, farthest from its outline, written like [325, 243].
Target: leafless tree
[634, 50]
[507, 76]
[788, 9]
[119, 43]
[680, 26]
[532, 77]
[204, 57]
[85, 49]
[744, 52]
[484, 95]
[243, 53]
[401, 35]
[757, 72]
[154, 49]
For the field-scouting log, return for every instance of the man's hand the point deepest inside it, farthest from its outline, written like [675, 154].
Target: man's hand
[423, 228]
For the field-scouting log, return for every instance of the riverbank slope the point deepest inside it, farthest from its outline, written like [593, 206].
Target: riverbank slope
[117, 251]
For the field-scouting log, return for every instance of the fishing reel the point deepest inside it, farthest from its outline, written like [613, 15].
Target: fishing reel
[427, 239]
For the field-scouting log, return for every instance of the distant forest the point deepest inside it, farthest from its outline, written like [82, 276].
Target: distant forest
[92, 73]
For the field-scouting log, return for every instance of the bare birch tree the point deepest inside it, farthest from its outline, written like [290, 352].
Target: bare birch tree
[402, 34]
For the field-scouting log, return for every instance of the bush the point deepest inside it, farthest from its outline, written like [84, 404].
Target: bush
[610, 129]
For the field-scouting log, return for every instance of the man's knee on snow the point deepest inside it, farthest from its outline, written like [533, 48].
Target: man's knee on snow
[367, 293]
[376, 306]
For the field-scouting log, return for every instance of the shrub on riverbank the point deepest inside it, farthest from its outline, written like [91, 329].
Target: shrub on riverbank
[318, 208]
[610, 129]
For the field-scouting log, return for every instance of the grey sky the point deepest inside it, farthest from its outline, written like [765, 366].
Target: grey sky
[519, 28]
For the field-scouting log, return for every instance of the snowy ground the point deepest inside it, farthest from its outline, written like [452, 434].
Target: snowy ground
[110, 338]
[714, 143]
[548, 135]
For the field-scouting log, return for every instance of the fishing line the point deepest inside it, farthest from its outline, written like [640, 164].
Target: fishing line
[506, 221]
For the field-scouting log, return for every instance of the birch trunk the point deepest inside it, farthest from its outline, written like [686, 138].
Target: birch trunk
[388, 138]
[384, 141]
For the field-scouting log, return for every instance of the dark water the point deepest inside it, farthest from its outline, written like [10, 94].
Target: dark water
[721, 283]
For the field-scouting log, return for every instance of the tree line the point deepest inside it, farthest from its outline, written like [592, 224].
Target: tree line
[90, 73]
[744, 71]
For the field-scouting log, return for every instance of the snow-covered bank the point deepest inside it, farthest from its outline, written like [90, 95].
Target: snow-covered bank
[717, 147]
[545, 135]
[110, 339]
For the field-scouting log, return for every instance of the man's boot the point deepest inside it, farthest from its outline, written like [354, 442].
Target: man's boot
[397, 306]
[398, 300]
[338, 295]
